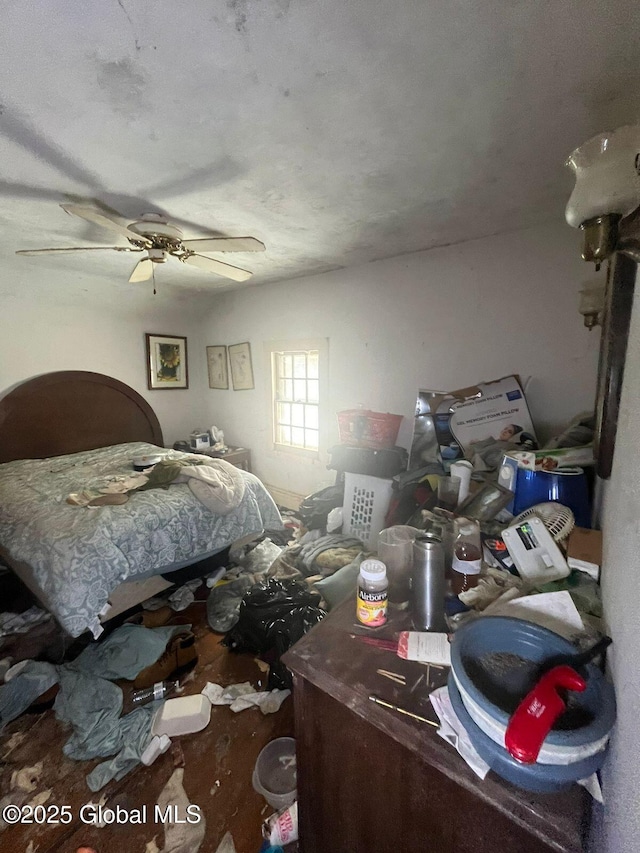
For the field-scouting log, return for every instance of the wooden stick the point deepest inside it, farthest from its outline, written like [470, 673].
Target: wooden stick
[417, 682]
[390, 672]
[393, 676]
[404, 711]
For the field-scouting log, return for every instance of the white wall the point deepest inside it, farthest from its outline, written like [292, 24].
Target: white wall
[45, 328]
[441, 319]
[618, 827]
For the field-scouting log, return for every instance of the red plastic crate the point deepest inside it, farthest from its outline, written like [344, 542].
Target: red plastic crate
[363, 428]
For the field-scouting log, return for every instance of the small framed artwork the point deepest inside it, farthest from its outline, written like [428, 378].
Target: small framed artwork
[241, 367]
[217, 365]
[166, 362]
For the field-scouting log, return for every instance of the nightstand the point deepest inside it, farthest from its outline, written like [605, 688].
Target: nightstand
[238, 456]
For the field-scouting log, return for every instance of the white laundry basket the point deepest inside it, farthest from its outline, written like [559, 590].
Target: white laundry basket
[366, 501]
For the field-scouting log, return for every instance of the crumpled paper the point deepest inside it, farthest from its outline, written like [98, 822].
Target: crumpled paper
[243, 696]
[179, 599]
[181, 836]
[452, 730]
[226, 845]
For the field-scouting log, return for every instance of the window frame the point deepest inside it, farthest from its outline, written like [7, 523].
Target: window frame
[320, 345]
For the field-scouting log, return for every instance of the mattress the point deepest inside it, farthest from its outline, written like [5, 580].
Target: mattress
[77, 556]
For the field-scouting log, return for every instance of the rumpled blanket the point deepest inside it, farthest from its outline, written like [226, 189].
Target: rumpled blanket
[215, 483]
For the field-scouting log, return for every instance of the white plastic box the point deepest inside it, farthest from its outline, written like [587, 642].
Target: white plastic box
[182, 716]
[366, 502]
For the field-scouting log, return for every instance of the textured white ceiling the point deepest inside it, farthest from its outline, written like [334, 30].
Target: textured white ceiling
[335, 131]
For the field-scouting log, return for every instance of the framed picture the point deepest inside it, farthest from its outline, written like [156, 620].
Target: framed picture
[166, 362]
[241, 368]
[217, 365]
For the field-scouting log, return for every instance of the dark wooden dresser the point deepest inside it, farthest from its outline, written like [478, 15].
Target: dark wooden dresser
[371, 780]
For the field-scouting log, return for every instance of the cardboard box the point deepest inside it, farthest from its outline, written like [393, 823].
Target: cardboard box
[584, 551]
[447, 424]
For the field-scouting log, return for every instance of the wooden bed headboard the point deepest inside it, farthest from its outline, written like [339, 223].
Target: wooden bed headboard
[72, 410]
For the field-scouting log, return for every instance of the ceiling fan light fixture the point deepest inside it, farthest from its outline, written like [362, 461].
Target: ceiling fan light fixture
[161, 239]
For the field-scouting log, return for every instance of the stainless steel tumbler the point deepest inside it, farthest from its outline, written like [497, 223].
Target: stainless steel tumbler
[428, 584]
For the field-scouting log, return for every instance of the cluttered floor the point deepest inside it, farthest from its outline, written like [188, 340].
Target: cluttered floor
[214, 765]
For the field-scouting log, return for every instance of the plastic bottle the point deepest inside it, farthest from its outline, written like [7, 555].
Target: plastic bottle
[373, 589]
[159, 690]
[467, 555]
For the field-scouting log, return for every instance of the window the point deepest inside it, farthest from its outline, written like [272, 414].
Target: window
[295, 374]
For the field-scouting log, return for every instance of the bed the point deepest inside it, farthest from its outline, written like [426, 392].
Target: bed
[70, 430]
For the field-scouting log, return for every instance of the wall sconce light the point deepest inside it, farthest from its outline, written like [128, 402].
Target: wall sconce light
[607, 188]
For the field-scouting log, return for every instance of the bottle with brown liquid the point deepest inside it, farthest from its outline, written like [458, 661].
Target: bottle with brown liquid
[467, 555]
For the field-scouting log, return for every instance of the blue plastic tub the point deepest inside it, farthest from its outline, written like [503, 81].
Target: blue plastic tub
[538, 778]
[493, 634]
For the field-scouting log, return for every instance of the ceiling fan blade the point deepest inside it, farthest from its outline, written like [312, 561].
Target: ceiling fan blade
[78, 249]
[99, 218]
[217, 267]
[224, 244]
[143, 270]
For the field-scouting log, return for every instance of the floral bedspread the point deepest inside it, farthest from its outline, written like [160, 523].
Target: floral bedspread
[78, 555]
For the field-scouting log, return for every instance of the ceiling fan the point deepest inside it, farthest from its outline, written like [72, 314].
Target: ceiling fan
[160, 239]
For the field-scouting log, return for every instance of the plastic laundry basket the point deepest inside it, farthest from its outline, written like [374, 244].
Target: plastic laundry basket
[274, 775]
[366, 501]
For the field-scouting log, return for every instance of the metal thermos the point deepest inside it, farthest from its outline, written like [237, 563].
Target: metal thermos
[428, 583]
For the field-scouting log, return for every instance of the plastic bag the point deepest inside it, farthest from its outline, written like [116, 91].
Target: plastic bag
[274, 614]
[255, 556]
[223, 603]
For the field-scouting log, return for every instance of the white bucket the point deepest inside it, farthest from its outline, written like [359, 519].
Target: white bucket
[274, 775]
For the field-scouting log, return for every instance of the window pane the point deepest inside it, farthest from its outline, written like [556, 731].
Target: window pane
[312, 364]
[300, 365]
[283, 435]
[296, 397]
[311, 439]
[311, 417]
[283, 413]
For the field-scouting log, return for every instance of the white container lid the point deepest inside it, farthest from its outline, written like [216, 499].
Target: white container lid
[182, 716]
[146, 461]
[373, 570]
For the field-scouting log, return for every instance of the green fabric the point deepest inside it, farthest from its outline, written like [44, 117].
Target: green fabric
[344, 582]
[164, 473]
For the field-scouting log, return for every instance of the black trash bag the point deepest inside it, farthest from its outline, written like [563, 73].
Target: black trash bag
[315, 508]
[274, 614]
